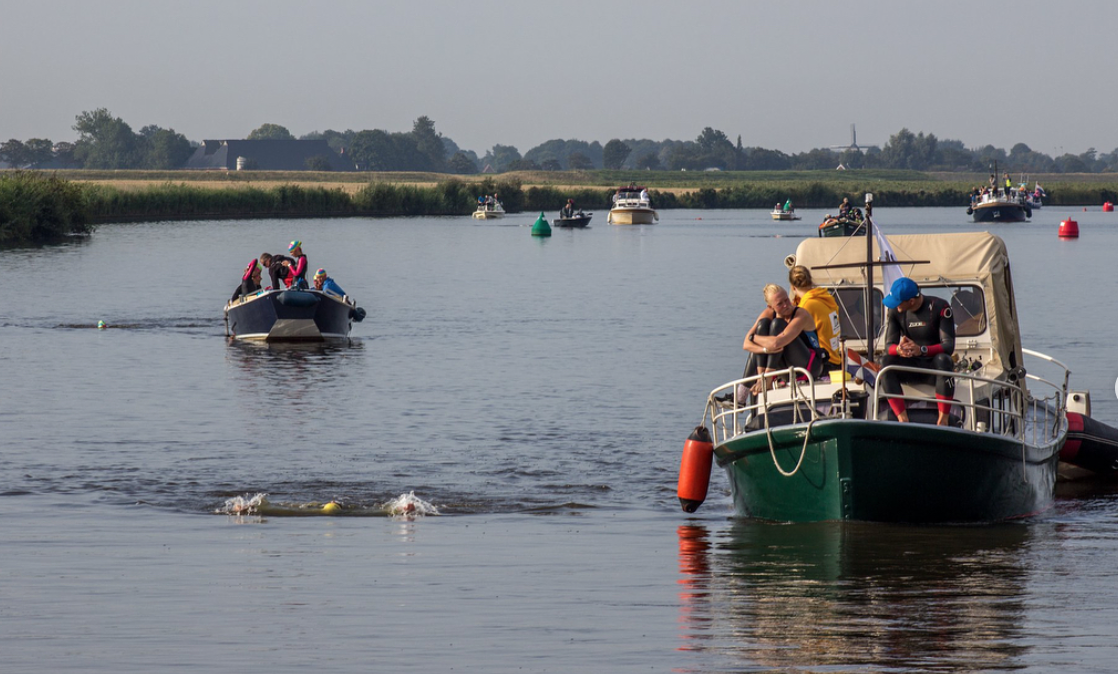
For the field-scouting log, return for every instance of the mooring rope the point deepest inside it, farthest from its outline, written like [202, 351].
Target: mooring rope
[772, 450]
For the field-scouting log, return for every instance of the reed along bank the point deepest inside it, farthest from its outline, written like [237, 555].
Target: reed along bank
[40, 207]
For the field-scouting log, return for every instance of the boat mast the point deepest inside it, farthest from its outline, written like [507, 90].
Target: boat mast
[869, 276]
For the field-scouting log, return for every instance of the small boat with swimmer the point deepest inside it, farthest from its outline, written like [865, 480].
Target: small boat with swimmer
[291, 316]
[826, 447]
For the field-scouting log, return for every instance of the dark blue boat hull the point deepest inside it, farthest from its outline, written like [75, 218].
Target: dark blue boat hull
[1001, 213]
[574, 222]
[290, 316]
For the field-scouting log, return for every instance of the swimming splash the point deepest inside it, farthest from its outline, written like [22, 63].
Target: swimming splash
[409, 506]
[243, 505]
[405, 506]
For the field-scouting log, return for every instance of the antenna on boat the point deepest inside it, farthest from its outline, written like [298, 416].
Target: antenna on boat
[869, 275]
[869, 264]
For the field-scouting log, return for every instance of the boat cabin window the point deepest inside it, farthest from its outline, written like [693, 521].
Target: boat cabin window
[968, 306]
[852, 312]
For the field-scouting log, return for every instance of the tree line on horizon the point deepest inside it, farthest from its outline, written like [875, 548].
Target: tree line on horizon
[108, 142]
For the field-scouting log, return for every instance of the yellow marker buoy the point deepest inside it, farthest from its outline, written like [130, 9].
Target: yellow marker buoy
[331, 508]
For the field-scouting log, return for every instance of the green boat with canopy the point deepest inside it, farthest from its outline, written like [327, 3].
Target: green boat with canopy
[829, 448]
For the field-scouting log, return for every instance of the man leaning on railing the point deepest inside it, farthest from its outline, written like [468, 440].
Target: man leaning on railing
[920, 332]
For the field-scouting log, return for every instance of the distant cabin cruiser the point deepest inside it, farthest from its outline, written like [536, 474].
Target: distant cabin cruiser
[1000, 207]
[632, 206]
[489, 208]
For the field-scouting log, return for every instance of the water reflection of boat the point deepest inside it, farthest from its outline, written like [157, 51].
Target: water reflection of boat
[829, 449]
[291, 316]
[853, 597]
[632, 206]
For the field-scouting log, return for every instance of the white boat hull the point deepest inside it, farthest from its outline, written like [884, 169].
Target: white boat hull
[632, 216]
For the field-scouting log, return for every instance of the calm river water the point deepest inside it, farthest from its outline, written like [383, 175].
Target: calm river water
[536, 394]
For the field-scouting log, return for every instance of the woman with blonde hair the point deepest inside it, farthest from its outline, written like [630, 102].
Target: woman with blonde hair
[823, 309]
[783, 336]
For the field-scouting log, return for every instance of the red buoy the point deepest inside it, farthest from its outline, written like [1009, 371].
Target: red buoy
[1108, 207]
[694, 469]
[1069, 229]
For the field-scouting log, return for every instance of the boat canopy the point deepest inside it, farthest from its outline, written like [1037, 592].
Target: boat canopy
[974, 257]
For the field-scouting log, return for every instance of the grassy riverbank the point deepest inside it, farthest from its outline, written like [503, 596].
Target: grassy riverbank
[36, 207]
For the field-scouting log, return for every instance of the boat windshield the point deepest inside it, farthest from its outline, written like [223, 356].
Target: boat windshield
[968, 306]
[852, 311]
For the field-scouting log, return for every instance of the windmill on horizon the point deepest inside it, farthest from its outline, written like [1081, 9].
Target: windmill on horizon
[853, 142]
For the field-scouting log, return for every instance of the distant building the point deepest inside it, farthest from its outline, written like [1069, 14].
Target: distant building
[266, 155]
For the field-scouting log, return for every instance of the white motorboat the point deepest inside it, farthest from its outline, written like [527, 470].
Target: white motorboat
[632, 206]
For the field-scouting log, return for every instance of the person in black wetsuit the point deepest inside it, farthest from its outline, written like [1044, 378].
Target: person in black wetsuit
[783, 336]
[279, 268]
[250, 281]
[920, 332]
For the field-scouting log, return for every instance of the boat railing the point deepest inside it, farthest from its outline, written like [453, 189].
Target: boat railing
[730, 409]
[632, 202]
[1002, 406]
[999, 406]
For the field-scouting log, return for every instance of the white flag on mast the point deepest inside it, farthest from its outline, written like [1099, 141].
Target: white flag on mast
[889, 272]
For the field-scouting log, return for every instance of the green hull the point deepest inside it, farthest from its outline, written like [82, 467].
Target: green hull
[887, 472]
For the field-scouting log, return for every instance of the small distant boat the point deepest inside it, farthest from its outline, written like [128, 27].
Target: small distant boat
[579, 220]
[291, 316]
[489, 210]
[842, 227]
[1036, 198]
[631, 206]
[781, 214]
[1000, 204]
[999, 207]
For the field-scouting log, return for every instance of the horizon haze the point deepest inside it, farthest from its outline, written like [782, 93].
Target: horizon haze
[789, 76]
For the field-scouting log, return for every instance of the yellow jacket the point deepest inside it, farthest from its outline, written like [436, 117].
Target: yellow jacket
[824, 310]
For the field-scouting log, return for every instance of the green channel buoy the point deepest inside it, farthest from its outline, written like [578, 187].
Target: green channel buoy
[541, 228]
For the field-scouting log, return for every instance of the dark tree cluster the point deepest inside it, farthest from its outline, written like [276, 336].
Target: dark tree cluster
[104, 142]
[107, 142]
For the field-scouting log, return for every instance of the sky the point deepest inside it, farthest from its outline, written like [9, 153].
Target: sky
[789, 75]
